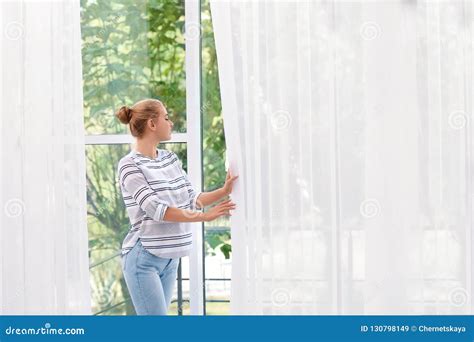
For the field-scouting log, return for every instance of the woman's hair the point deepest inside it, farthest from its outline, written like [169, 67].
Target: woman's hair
[137, 115]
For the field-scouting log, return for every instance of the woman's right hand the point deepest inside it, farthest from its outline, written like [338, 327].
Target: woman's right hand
[221, 209]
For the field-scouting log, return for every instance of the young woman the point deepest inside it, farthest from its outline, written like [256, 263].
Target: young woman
[160, 200]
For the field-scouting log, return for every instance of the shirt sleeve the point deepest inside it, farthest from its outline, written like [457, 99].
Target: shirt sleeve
[193, 193]
[134, 182]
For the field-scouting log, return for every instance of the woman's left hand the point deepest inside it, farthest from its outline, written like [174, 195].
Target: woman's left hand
[229, 182]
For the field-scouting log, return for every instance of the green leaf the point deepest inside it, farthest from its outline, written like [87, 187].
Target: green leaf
[226, 249]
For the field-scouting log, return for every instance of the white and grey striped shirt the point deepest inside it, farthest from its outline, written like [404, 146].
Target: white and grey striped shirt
[149, 187]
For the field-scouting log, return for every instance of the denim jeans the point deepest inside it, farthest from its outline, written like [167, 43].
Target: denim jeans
[150, 280]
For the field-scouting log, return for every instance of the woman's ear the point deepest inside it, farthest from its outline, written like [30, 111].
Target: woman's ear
[151, 124]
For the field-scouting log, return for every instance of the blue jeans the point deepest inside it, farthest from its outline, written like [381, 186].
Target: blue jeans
[150, 280]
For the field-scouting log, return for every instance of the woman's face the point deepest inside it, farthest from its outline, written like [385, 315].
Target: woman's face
[162, 126]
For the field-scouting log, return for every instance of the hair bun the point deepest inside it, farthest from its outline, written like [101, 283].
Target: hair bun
[124, 114]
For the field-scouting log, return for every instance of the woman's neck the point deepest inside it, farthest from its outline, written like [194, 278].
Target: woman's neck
[147, 148]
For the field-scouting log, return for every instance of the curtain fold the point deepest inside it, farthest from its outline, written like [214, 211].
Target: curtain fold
[43, 235]
[350, 125]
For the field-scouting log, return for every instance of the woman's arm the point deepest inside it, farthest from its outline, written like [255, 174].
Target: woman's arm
[207, 198]
[183, 215]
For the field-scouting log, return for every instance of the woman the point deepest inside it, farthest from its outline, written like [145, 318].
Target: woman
[160, 200]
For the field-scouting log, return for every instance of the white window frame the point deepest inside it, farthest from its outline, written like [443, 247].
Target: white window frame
[194, 151]
[193, 140]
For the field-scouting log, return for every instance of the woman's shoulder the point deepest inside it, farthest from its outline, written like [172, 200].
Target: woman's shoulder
[126, 159]
[163, 153]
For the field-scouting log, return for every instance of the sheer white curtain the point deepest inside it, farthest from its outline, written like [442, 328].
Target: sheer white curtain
[350, 126]
[43, 235]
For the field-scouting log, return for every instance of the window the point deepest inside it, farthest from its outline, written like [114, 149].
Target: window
[133, 50]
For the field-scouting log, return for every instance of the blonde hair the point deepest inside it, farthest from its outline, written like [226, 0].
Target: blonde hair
[138, 115]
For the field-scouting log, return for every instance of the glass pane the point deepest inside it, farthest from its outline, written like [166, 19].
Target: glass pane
[217, 297]
[218, 269]
[108, 224]
[218, 254]
[173, 309]
[217, 233]
[131, 50]
[213, 129]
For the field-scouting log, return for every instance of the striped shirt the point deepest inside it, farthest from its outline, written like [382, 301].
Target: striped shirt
[149, 186]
